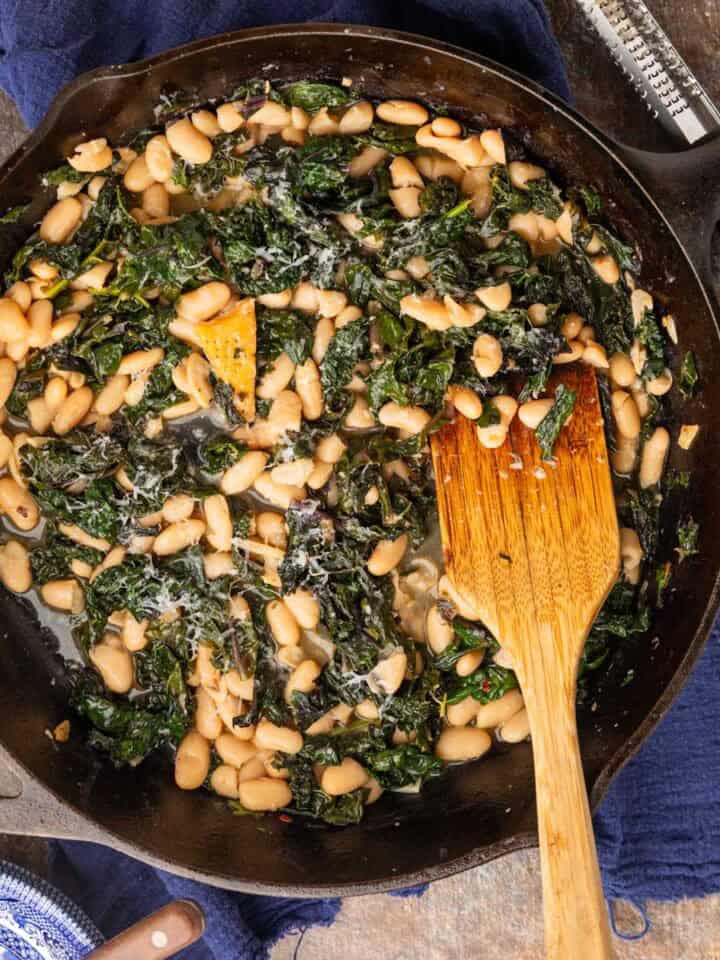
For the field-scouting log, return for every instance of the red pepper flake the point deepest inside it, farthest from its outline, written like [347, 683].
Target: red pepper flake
[285, 818]
[486, 685]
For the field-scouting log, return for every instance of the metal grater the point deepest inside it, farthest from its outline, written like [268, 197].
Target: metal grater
[657, 71]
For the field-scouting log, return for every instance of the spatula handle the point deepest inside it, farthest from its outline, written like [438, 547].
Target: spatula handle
[158, 937]
[576, 917]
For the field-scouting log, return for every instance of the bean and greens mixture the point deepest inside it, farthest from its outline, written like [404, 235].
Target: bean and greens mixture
[224, 351]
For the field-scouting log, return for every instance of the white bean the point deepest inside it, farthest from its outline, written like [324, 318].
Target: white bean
[387, 675]
[18, 504]
[15, 571]
[492, 714]
[187, 141]
[440, 632]
[533, 412]
[330, 449]
[138, 177]
[496, 297]
[192, 761]
[516, 728]
[343, 778]
[243, 474]
[304, 608]
[203, 302]
[465, 401]
[264, 793]
[233, 751]
[270, 527]
[283, 625]
[112, 395]
[178, 536]
[72, 410]
[115, 664]
[652, 460]
[207, 720]
[278, 376]
[8, 374]
[268, 736]
[631, 552]
[63, 595]
[60, 220]
[387, 555]
[625, 411]
[411, 419]
[324, 332]
[302, 678]
[357, 118]
[13, 325]
[309, 389]
[403, 112]
[606, 268]
[487, 355]
[462, 743]
[293, 472]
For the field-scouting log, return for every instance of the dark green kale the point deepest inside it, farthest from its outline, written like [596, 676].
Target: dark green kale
[688, 533]
[363, 285]
[208, 179]
[157, 469]
[544, 198]
[129, 731]
[469, 638]
[674, 479]
[13, 214]
[313, 96]
[284, 331]
[648, 333]
[591, 201]
[30, 383]
[506, 201]
[663, 576]
[625, 256]
[643, 509]
[78, 456]
[53, 560]
[62, 174]
[310, 800]
[336, 370]
[688, 379]
[262, 253]
[397, 139]
[485, 684]
[623, 614]
[219, 453]
[550, 426]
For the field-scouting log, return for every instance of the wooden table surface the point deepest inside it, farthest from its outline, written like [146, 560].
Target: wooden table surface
[494, 912]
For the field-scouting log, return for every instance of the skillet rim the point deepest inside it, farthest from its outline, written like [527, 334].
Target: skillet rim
[600, 140]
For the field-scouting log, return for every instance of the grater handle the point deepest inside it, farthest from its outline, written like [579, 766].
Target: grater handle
[642, 49]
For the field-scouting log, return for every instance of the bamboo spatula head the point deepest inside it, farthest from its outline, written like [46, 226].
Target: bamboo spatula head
[534, 548]
[531, 545]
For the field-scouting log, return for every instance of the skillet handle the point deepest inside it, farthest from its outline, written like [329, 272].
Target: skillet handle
[29, 809]
[686, 187]
[157, 937]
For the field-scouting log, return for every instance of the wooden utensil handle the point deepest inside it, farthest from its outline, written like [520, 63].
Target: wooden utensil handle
[161, 935]
[576, 917]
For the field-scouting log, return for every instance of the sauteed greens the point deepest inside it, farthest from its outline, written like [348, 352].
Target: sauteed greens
[224, 351]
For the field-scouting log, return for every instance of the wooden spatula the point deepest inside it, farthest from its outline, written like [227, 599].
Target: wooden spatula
[534, 547]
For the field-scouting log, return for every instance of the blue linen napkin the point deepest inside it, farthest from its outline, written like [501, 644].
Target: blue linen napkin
[45, 43]
[658, 832]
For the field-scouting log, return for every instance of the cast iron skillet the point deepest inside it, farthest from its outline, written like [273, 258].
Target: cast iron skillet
[476, 812]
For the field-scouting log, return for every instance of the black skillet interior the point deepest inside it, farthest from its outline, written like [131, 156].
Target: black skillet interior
[476, 812]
